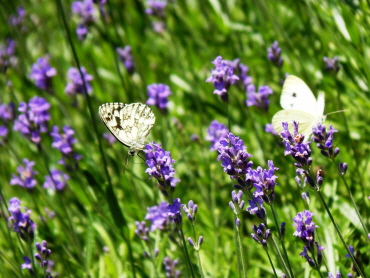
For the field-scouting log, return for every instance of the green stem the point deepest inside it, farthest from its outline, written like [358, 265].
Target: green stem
[281, 240]
[197, 251]
[241, 251]
[353, 202]
[340, 235]
[280, 255]
[272, 265]
[182, 238]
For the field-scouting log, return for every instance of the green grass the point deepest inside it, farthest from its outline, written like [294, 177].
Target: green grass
[92, 213]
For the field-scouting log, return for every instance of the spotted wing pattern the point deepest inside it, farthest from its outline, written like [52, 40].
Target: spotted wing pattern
[129, 123]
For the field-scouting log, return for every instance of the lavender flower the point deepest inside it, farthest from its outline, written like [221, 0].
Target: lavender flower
[342, 168]
[305, 228]
[3, 134]
[222, 77]
[64, 143]
[126, 58]
[338, 275]
[26, 178]
[7, 57]
[170, 266]
[17, 19]
[158, 96]
[57, 180]
[142, 230]
[76, 84]
[332, 65]
[43, 255]
[324, 140]
[261, 235]
[174, 211]
[241, 71]
[7, 112]
[274, 54]
[264, 182]
[158, 215]
[234, 158]
[236, 203]
[191, 211]
[21, 222]
[270, 129]
[214, 134]
[110, 138]
[260, 98]
[160, 166]
[156, 8]
[27, 265]
[42, 73]
[85, 10]
[256, 207]
[34, 118]
[295, 146]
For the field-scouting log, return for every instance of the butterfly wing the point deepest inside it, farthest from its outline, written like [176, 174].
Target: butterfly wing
[130, 124]
[305, 120]
[296, 95]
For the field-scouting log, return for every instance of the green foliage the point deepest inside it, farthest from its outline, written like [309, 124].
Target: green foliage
[101, 203]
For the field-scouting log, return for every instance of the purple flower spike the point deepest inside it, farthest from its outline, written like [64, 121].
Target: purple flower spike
[158, 96]
[57, 181]
[43, 255]
[174, 211]
[33, 118]
[191, 211]
[64, 143]
[17, 19]
[256, 207]
[274, 54]
[142, 230]
[7, 57]
[158, 215]
[26, 178]
[160, 166]
[260, 98]
[261, 235]
[264, 182]
[42, 73]
[85, 11]
[109, 138]
[241, 71]
[305, 228]
[21, 222]
[170, 266]
[234, 157]
[269, 128]
[324, 140]
[214, 134]
[156, 8]
[27, 265]
[332, 65]
[75, 86]
[222, 77]
[126, 58]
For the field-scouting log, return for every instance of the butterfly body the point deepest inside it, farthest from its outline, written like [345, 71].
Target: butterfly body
[129, 123]
[299, 105]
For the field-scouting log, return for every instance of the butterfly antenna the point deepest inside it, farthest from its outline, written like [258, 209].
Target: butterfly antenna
[336, 112]
[126, 164]
[141, 157]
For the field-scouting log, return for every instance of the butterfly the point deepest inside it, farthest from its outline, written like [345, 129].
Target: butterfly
[129, 123]
[299, 105]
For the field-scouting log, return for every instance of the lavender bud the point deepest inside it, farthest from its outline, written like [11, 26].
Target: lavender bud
[241, 205]
[191, 242]
[237, 222]
[200, 241]
[343, 168]
[306, 197]
[282, 229]
[146, 255]
[156, 252]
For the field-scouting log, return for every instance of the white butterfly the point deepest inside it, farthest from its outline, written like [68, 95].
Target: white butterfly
[299, 105]
[129, 123]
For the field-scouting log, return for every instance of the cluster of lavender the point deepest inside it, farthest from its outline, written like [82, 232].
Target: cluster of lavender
[156, 9]
[7, 115]
[7, 57]
[42, 73]
[158, 96]
[222, 77]
[305, 230]
[126, 58]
